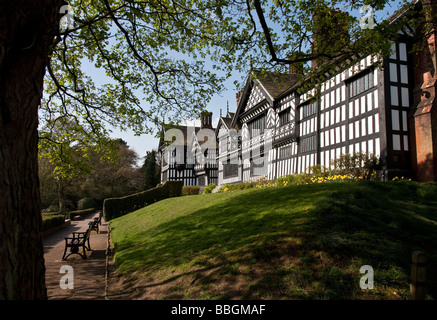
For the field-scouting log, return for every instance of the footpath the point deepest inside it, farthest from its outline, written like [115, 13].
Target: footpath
[89, 275]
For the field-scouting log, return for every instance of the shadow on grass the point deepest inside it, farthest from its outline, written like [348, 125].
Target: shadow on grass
[246, 218]
[301, 242]
[382, 224]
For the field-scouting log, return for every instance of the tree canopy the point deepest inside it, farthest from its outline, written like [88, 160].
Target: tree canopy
[165, 59]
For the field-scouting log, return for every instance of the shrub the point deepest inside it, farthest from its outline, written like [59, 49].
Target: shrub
[116, 207]
[51, 209]
[358, 165]
[209, 188]
[285, 180]
[82, 213]
[86, 203]
[190, 190]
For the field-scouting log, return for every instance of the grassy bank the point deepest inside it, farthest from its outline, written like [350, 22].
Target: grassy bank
[293, 242]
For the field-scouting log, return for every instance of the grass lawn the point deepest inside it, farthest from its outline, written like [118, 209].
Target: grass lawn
[294, 242]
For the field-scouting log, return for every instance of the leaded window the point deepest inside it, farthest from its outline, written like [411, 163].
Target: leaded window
[257, 126]
[360, 84]
[284, 117]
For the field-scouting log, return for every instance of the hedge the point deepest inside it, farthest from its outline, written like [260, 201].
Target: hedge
[116, 207]
[52, 220]
[190, 190]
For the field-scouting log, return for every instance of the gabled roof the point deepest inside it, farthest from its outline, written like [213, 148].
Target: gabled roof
[227, 122]
[187, 132]
[183, 129]
[273, 84]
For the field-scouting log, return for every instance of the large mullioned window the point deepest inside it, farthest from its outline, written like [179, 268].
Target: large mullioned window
[361, 84]
[308, 128]
[257, 126]
[308, 110]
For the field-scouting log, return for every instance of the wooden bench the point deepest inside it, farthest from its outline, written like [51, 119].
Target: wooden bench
[94, 225]
[79, 240]
[100, 217]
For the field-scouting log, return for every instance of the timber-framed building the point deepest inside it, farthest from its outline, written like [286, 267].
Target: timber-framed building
[189, 154]
[387, 109]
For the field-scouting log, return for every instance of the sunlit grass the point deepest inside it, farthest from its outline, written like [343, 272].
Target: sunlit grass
[292, 242]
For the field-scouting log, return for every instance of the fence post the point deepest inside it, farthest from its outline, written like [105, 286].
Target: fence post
[418, 276]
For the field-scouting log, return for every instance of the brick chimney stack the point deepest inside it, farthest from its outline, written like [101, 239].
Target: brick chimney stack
[296, 68]
[423, 117]
[206, 121]
[238, 97]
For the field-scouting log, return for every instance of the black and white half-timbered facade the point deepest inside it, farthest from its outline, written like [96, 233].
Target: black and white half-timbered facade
[380, 106]
[285, 129]
[189, 153]
[362, 108]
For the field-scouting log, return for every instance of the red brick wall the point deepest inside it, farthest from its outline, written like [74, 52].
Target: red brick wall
[424, 118]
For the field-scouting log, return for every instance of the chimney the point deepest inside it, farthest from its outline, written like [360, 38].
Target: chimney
[206, 121]
[295, 68]
[330, 32]
[423, 114]
[238, 97]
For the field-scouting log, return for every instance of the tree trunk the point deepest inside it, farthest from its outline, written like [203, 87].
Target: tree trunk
[27, 30]
[61, 194]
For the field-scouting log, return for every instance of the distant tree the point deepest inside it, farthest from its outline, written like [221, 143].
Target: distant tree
[67, 175]
[72, 152]
[117, 178]
[151, 169]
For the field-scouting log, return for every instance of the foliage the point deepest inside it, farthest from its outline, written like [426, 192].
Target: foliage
[153, 54]
[359, 164]
[51, 209]
[116, 207]
[103, 179]
[70, 148]
[209, 188]
[190, 190]
[346, 168]
[86, 203]
[152, 170]
[164, 60]
[54, 219]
